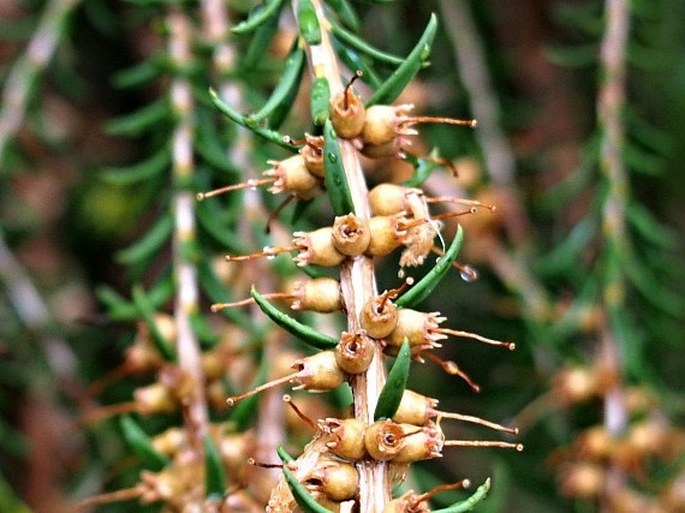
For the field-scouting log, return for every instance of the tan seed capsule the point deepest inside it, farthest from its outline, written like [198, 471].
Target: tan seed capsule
[312, 152]
[418, 327]
[384, 440]
[346, 437]
[387, 199]
[155, 398]
[351, 235]
[415, 409]
[381, 125]
[292, 176]
[355, 352]
[379, 317]
[317, 248]
[319, 372]
[347, 112]
[335, 479]
[317, 295]
[386, 235]
[420, 443]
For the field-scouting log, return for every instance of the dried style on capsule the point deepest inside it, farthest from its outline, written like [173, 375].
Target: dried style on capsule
[347, 111]
[379, 315]
[355, 351]
[351, 235]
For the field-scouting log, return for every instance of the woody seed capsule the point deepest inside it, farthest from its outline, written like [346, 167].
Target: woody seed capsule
[351, 235]
[319, 372]
[417, 327]
[317, 248]
[414, 409]
[386, 235]
[292, 176]
[347, 114]
[312, 153]
[420, 443]
[355, 352]
[379, 317]
[317, 295]
[337, 480]
[346, 437]
[383, 440]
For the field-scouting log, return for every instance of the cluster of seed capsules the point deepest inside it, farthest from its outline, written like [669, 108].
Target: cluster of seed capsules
[407, 425]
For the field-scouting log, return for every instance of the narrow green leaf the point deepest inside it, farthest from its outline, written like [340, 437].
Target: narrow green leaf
[470, 503]
[141, 444]
[136, 123]
[347, 15]
[406, 71]
[146, 247]
[290, 79]
[319, 101]
[304, 500]
[334, 171]
[260, 42]
[391, 395]
[258, 17]
[644, 222]
[147, 312]
[422, 169]
[573, 57]
[425, 285]
[354, 61]
[299, 210]
[308, 22]
[120, 309]
[215, 475]
[142, 73]
[293, 326]
[284, 455]
[127, 175]
[235, 116]
[362, 46]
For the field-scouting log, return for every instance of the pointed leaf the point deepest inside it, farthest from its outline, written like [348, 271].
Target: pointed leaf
[290, 78]
[136, 123]
[410, 66]
[293, 326]
[284, 455]
[215, 475]
[362, 46]
[308, 22]
[470, 503]
[150, 244]
[343, 9]
[142, 73]
[422, 169]
[258, 17]
[354, 61]
[140, 443]
[334, 171]
[127, 175]
[425, 285]
[147, 312]
[235, 116]
[260, 42]
[304, 499]
[320, 98]
[391, 395]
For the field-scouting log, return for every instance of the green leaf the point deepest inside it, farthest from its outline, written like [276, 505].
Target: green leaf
[362, 46]
[283, 454]
[308, 22]
[147, 312]
[258, 17]
[235, 116]
[354, 61]
[578, 56]
[470, 503]
[136, 123]
[141, 74]
[425, 285]
[343, 9]
[319, 101]
[127, 175]
[141, 444]
[304, 499]
[260, 42]
[644, 223]
[293, 326]
[410, 66]
[391, 395]
[150, 244]
[422, 169]
[215, 475]
[120, 309]
[290, 79]
[334, 171]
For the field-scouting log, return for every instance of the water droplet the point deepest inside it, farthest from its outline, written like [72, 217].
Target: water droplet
[468, 273]
[337, 181]
[252, 183]
[332, 157]
[400, 273]
[270, 257]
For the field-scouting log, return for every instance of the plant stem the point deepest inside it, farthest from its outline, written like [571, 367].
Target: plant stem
[357, 280]
[183, 205]
[39, 52]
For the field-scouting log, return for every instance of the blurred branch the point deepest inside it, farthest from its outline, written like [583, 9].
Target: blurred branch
[22, 77]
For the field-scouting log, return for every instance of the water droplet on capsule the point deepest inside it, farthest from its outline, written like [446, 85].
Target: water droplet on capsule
[468, 274]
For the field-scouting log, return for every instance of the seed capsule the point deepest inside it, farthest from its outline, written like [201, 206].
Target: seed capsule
[351, 235]
[384, 440]
[420, 443]
[355, 352]
[317, 295]
[317, 248]
[379, 316]
[386, 235]
[346, 437]
[312, 152]
[347, 112]
[418, 327]
[335, 479]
